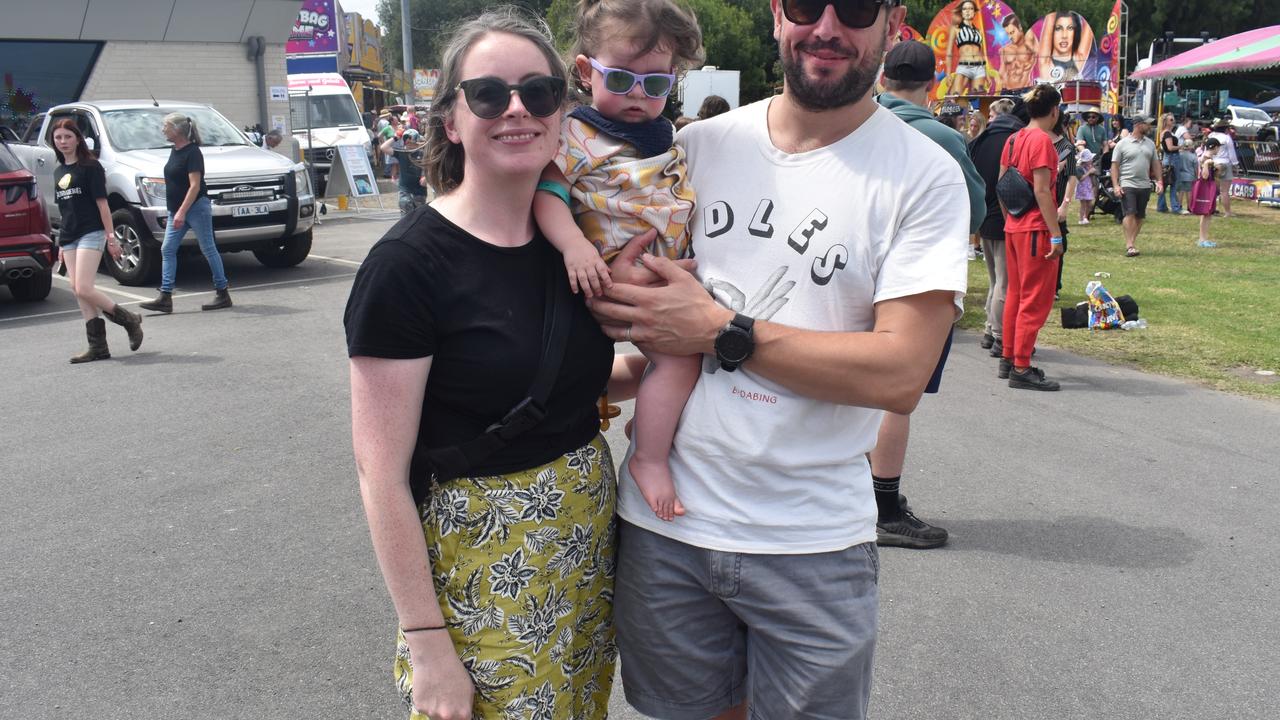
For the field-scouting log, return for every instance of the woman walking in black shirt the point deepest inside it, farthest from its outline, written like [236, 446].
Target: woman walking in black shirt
[80, 189]
[187, 199]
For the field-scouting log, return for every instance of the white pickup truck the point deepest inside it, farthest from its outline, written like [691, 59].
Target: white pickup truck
[262, 201]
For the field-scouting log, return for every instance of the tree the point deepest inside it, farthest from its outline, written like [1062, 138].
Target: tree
[731, 41]
[732, 38]
[430, 22]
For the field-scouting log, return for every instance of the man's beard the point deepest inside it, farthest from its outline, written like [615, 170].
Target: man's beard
[817, 95]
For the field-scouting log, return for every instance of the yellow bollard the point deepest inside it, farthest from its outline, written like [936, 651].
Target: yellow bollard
[342, 202]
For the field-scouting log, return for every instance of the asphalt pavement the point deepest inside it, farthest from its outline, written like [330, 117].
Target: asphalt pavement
[183, 535]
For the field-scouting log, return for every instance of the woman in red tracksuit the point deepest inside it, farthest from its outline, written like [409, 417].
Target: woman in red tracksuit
[1033, 246]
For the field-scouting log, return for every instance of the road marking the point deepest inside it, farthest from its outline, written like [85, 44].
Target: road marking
[32, 317]
[106, 289]
[352, 263]
[237, 288]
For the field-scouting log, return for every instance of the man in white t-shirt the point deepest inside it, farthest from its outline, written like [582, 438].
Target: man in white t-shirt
[827, 235]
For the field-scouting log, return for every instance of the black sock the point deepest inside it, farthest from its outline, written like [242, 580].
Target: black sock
[887, 496]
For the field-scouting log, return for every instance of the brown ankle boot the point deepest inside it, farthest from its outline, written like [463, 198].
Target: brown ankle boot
[163, 303]
[221, 299]
[131, 322]
[96, 331]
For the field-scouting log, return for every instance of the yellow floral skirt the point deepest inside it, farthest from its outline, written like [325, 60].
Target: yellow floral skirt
[523, 567]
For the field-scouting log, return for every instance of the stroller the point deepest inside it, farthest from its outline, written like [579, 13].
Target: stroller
[1105, 199]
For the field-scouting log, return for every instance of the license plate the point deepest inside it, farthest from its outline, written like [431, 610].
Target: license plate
[243, 210]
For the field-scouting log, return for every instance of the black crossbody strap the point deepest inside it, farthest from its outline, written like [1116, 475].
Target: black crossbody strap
[455, 461]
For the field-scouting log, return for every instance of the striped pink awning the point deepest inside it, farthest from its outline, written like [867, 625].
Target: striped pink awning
[1252, 50]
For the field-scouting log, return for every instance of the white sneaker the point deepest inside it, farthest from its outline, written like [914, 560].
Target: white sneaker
[973, 254]
[1084, 221]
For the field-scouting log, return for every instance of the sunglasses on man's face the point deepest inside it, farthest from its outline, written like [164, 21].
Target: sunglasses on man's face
[489, 97]
[620, 82]
[851, 13]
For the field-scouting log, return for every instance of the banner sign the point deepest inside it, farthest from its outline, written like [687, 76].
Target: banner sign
[981, 48]
[424, 84]
[1269, 193]
[315, 30]
[1109, 51]
[351, 174]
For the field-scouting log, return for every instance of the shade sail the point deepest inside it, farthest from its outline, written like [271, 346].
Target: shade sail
[1271, 105]
[1248, 51]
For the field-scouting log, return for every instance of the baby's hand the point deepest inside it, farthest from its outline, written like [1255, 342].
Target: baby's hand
[587, 270]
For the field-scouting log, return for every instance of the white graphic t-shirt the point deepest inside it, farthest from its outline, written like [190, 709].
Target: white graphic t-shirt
[811, 240]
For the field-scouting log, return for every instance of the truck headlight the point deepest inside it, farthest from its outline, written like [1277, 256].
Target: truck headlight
[302, 180]
[152, 190]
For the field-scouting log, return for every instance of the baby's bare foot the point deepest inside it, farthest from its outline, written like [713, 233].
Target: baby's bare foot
[657, 487]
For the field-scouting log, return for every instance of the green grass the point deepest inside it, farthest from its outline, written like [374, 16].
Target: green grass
[1213, 314]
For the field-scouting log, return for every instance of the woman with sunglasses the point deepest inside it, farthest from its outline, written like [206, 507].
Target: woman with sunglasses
[617, 175]
[502, 577]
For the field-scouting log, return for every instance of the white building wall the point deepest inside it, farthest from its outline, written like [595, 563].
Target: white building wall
[217, 74]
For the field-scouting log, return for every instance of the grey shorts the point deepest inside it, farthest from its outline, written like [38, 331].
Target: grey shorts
[700, 631]
[1135, 202]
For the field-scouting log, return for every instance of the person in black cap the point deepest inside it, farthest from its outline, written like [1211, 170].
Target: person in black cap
[908, 73]
[949, 114]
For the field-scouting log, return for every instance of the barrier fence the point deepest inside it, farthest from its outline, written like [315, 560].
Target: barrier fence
[1259, 157]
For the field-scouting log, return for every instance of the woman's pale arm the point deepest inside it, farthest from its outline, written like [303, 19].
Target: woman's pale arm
[386, 406]
[113, 244]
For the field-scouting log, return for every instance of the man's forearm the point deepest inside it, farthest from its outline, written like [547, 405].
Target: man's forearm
[883, 370]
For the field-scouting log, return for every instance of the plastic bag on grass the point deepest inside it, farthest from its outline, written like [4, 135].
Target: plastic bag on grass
[1104, 311]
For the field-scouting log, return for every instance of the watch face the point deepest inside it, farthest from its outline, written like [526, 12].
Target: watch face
[733, 345]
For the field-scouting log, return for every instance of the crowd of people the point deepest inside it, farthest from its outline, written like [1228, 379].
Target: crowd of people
[760, 479]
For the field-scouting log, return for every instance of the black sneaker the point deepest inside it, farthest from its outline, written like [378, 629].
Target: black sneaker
[997, 347]
[1005, 368]
[909, 531]
[987, 341]
[1032, 379]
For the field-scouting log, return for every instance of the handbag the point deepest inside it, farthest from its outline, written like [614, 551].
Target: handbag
[1204, 195]
[454, 461]
[1017, 195]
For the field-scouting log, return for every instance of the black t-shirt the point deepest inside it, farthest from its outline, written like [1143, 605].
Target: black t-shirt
[176, 179]
[1167, 141]
[77, 189]
[429, 288]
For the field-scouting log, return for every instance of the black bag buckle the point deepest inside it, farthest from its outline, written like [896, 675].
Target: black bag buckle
[521, 418]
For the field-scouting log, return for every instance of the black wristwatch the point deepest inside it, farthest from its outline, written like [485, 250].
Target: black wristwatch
[735, 343]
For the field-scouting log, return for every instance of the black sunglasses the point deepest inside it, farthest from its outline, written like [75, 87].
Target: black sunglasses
[489, 97]
[851, 13]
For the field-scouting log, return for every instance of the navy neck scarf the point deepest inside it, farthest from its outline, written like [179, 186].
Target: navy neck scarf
[650, 138]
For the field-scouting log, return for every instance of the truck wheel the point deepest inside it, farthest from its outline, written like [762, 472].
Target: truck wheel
[292, 251]
[139, 262]
[35, 287]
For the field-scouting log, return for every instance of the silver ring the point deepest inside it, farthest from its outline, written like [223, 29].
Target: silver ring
[628, 333]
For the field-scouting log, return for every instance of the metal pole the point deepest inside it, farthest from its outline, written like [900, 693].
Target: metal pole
[406, 38]
[306, 101]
